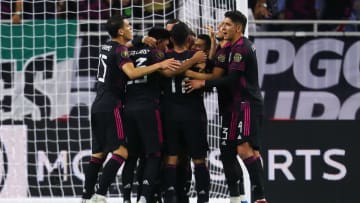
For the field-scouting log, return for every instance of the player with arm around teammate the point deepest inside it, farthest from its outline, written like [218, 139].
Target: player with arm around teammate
[242, 109]
[142, 122]
[114, 70]
[184, 120]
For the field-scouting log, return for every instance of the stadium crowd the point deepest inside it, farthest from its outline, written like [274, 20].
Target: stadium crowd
[261, 9]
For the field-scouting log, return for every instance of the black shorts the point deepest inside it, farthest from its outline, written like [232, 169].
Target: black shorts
[243, 125]
[185, 128]
[143, 129]
[107, 130]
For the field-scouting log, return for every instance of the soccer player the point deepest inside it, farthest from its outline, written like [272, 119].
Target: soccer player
[242, 106]
[184, 121]
[232, 170]
[114, 70]
[141, 114]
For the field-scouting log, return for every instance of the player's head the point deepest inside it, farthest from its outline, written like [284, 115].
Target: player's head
[234, 24]
[119, 26]
[162, 37]
[179, 34]
[170, 24]
[202, 43]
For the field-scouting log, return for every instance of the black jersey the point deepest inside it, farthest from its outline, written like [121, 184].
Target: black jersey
[145, 91]
[174, 89]
[221, 61]
[111, 80]
[240, 82]
[242, 58]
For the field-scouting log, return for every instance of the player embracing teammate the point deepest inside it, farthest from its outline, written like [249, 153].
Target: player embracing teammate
[241, 107]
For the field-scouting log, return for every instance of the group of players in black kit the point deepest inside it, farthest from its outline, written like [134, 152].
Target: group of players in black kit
[149, 106]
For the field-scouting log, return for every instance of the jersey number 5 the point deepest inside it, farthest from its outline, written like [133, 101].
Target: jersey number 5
[102, 68]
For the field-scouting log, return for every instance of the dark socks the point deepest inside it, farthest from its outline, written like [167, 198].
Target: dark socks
[109, 173]
[202, 180]
[151, 171]
[91, 176]
[170, 183]
[183, 180]
[256, 173]
[233, 173]
[127, 177]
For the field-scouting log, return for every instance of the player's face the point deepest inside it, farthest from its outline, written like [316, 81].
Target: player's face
[199, 45]
[162, 44]
[169, 27]
[231, 30]
[127, 30]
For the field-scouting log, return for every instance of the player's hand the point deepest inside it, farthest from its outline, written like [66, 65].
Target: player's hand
[199, 57]
[150, 41]
[170, 64]
[191, 85]
[211, 31]
[16, 19]
[201, 66]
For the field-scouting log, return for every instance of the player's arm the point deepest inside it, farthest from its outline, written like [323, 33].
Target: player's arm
[213, 46]
[138, 40]
[198, 57]
[133, 73]
[217, 72]
[227, 81]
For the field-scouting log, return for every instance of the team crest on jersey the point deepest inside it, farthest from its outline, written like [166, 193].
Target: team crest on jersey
[237, 57]
[160, 55]
[125, 54]
[221, 58]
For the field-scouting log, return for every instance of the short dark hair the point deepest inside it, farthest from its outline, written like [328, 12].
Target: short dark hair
[172, 21]
[180, 33]
[159, 33]
[237, 17]
[207, 40]
[114, 24]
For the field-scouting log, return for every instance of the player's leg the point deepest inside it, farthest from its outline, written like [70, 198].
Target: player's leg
[140, 176]
[150, 127]
[195, 135]
[127, 177]
[183, 176]
[115, 140]
[97, 158]
[133, 143]
[232, 169]
[248, 150]
[171, 139]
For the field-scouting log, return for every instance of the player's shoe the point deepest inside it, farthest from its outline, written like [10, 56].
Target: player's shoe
[261, 201]
[98, 199]
[142, 199]
[85, 201]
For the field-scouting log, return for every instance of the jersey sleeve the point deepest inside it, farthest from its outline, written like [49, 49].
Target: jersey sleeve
[122, 56]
